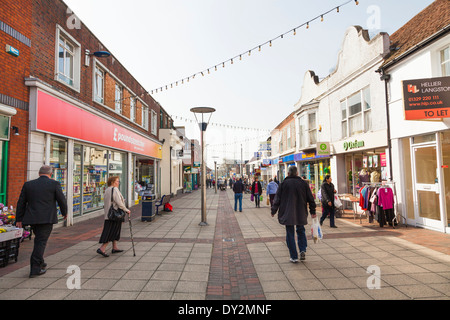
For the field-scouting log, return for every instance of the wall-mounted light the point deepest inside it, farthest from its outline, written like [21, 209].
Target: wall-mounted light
[16, 131]
[98, 54]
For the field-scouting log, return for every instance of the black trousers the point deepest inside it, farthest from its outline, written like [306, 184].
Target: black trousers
[41, 234]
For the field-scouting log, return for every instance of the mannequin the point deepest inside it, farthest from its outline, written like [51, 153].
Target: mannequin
[364, 176]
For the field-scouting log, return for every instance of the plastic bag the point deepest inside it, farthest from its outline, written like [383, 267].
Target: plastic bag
[316, 230]
[337, 202]
[251, 197]
[261, 198]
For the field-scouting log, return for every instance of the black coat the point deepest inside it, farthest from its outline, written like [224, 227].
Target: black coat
[327, 191]
[37, 202]
[291, 201]
[238, 187]
[259, 187]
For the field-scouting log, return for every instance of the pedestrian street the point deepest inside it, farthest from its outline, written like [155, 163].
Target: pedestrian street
[237, 256]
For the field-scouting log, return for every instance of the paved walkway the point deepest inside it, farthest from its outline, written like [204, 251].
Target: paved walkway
[238, 256]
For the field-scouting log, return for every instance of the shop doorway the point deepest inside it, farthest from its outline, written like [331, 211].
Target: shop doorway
[427, 187]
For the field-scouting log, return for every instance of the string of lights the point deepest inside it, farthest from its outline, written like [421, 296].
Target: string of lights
[227, 126]
[249, 51]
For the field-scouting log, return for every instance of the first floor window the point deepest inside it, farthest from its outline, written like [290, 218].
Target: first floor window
[445, 62]
[66, 54]
[118, 99]
[98, 84]
[154, 124]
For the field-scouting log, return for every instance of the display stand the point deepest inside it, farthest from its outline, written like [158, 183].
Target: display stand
[9, 244]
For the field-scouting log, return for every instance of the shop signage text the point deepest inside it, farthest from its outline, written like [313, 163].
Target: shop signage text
[61, 118]
[426, 98]
[353, 145]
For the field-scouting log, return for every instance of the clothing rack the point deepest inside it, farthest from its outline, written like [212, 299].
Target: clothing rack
[389, 184]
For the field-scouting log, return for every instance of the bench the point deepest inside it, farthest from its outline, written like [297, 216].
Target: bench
[165, 199]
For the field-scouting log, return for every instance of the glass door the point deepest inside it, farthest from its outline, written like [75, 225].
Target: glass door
[427, 188]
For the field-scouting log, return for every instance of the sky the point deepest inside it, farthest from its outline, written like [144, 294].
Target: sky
[164, 41]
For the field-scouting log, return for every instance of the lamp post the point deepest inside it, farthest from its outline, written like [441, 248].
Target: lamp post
[203, 125]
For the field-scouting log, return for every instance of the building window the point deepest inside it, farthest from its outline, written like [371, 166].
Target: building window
[99, 80]
[154, 123]
[145, 117]
[132, 109]
[312, 128]
[288, 137]
[356, 114]
[445, 62]
[68, 55]
[302, 132]
[118, 99]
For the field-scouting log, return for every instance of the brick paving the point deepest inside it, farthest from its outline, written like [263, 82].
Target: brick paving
[238, 256]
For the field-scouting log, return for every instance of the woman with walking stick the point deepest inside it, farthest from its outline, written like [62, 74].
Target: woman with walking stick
[111, 229]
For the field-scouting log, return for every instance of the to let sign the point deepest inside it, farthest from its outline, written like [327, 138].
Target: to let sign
[426, 98]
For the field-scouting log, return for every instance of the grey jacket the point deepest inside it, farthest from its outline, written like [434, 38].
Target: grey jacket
[118, 200]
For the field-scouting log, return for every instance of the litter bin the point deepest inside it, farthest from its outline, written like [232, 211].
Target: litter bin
[148, 207]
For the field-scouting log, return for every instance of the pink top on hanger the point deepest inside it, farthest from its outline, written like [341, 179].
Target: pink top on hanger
[386, 198]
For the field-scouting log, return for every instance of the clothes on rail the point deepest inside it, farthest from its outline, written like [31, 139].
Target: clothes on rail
[378, 201]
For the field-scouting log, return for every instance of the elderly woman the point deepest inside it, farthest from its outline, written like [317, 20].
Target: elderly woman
[111, 229]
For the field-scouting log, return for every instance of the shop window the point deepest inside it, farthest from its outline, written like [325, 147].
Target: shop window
[99, 81]
[118, 99]
[67, 59]
[58, 160]
[445, 62]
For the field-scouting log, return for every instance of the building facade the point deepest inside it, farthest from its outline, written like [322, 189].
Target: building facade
[417, 78]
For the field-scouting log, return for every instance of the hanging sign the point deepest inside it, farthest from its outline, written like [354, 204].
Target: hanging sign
[426, 98]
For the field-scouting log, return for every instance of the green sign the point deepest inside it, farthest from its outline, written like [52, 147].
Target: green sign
[323, 148]
[353, 145]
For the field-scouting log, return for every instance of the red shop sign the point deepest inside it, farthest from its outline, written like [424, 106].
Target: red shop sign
[61, 118]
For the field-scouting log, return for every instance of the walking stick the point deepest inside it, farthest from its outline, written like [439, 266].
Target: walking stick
[131, 234]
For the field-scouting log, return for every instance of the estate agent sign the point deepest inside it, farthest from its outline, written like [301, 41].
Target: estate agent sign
[426, 98]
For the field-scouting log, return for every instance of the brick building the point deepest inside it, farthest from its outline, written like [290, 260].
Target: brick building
[76, 108]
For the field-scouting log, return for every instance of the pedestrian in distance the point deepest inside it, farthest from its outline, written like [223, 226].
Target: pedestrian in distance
[238, 189]
[36, 207]
[111, 229]
[291, 201]
[271, 190]
[327, 192]
[256, 191]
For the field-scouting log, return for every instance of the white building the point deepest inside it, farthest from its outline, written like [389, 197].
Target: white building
[347, 111]
[172, 163]
[421, 147]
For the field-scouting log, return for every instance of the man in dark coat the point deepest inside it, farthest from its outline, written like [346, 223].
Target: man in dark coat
[37, 207]
[327, 191]
[238, 189]
[291, 201]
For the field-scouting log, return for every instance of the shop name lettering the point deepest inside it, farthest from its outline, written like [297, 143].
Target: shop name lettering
[353, 145]
[226, 310]
[122, 137]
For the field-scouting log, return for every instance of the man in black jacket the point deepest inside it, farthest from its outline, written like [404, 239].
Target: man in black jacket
[327, 191]
[238, 189]
[37, 207]
[293, 196]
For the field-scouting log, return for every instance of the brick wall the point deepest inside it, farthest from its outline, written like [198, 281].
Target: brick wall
[16, 14]
[46, 15]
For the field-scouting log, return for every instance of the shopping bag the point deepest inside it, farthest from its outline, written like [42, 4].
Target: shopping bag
[337, 202]
[316, 230]
[168, 207]
[268, 201]
[251, 197]
[261, 198]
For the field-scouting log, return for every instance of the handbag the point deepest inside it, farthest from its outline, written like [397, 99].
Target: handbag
[117, 215]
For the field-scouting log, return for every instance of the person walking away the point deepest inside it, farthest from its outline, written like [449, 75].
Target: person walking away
[256, 191]
[327, 192]
[111, 229]
[291, 201]
[271, 191]
[238, 190]
[37, 207]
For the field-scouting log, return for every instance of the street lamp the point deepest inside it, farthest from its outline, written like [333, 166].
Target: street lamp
[203, 125]
[215, 174]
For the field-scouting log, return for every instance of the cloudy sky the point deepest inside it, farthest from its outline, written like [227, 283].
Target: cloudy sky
[161, 42]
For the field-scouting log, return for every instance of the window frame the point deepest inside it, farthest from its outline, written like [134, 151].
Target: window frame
[61, 33]
[364, 114]
[97, 98]
[442, 63]
[154, 124]
[118, 97]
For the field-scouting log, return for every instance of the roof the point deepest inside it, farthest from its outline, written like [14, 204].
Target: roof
[428, 23]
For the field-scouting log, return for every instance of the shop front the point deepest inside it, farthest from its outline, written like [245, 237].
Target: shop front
[359, 161]
[313, 168]
[85, 149]
[5, 131]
